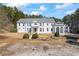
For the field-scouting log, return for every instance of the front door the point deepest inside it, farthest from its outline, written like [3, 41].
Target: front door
[35, 30]
[57, 29]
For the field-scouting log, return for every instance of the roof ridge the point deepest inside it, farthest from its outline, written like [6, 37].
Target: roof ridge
[37, 19]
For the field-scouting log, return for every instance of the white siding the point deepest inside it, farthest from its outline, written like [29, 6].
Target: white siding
[20, 28]
[44, 27]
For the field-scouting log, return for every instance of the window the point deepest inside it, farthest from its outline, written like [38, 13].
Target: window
[47, 24]
[35, 23]
[57, 29]
[40, 29]
[66, 30]
[61, 30]
[43, 29]
[27, 29]
[51, 24]
[23, 24]
[47, 29]
[40, 24]
[43, 24]
[27, 24]
[51, 29]
[19, 24]
[30, 24]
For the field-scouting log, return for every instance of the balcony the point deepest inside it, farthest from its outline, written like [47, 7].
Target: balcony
[35, 24]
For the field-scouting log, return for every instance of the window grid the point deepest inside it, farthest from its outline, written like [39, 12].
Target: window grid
[47, 29]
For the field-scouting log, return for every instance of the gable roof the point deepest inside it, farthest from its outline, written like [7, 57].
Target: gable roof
[39, 20]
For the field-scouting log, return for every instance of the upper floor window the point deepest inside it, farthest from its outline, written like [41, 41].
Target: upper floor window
[23, 24]
[27, 29]
[41, 24]
[66, 27]
[47, 24]
[28, 24]
[35, 23]
[23, 28]
[52, 24]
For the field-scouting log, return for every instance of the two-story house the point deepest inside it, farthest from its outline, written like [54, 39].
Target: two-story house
[41, 26]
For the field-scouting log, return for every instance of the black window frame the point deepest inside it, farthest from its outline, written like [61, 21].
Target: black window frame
[47, 29]
[40, 29]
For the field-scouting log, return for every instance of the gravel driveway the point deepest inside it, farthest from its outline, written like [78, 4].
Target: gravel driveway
[45, 49]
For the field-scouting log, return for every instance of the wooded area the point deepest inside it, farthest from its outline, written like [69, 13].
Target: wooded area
[73, 21]
[10, 15]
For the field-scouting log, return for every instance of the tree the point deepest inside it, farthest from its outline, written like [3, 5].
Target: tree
[73, 21]
[56, 19]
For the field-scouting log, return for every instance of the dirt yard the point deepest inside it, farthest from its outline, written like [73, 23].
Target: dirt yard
[12, 44]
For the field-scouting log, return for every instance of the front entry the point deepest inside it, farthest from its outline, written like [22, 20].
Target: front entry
[57, 30]
[35, 30]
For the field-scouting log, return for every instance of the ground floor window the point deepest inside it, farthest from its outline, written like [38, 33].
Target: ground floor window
[30, 30]
[47, 29]
[27, 29]
[43, 29]
[40, 29]
[61, 29]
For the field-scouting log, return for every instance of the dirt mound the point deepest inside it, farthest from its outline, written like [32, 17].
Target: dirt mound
[5, 21]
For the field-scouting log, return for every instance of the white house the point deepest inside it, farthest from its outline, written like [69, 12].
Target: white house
[41, 26]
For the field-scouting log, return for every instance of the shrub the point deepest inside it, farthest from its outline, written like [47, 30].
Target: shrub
[56, 34]
[26, 36]
[35, 36]
[51, 37]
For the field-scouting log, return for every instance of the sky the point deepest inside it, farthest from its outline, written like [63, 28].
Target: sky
[58, 10]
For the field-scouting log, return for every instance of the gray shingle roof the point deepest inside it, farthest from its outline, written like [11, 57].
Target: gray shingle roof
[40, 20]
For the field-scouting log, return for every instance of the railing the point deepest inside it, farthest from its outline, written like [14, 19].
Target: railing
[33, 25]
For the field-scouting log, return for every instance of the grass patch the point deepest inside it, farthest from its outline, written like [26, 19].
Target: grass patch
[44, 35]
[37, 42]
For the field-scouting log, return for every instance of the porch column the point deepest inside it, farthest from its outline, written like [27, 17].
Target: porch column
[31, 30]
[68, 29]
[55, 29]
[64, 30]
[59, 30]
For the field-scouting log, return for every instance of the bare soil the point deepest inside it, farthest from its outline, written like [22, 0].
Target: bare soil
[12, 44]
